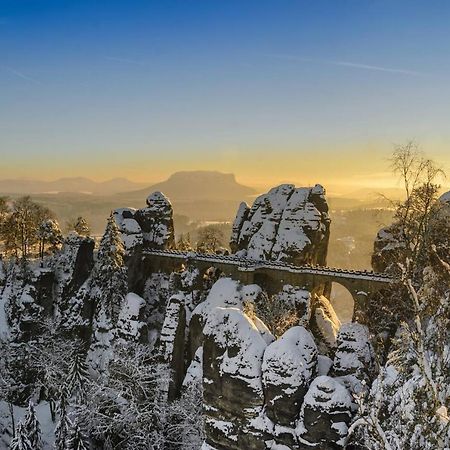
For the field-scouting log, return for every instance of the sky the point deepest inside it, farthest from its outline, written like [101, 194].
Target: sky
[284, 90]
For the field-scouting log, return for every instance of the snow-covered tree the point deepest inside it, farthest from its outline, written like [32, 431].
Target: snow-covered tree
[50, 234]
[79, 225]
[109, 279]
[108, 288]
[410, 399]
[77, 377]
[20, 441]
[63, 426]
[32, 427]
[77, 439]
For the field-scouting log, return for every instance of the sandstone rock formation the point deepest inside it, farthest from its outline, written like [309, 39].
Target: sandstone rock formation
[354, 354]
[173, 343]
[72, 266]
[232, 388]
[149, 227]
[287, 224]
[325, 415]
[289, 365]
[324, 324]
[389, 245]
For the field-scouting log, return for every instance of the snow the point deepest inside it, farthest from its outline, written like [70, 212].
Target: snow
[324, 365]
[278, 224]
[231, 328]
[291, 360]
[43, 415]
[194, 373]
[224, 292]
[128, 323]
[354, 352]
[326, 393]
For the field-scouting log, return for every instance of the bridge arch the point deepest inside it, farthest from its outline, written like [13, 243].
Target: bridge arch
[343, 301]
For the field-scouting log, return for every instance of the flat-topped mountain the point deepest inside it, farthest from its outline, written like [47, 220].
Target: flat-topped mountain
[200, 185]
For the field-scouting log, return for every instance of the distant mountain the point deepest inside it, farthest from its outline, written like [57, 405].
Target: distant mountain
[75, 184]
[199, 186]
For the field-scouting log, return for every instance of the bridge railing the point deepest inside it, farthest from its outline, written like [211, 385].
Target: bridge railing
[254, 264]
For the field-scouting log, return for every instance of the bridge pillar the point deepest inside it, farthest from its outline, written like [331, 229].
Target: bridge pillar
[361, 302]
[246, 276]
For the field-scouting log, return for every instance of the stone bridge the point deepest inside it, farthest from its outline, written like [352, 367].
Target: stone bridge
[272, 275]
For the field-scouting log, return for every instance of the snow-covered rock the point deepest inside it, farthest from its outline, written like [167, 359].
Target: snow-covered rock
[156, 222]
[131, 326]
[289, 365]
[172, 342]
[150, 227]
[286, 224]
[232, 380]
[130, 230]
[325, 415]
[72, 266]
[389, 246]
[354, 354]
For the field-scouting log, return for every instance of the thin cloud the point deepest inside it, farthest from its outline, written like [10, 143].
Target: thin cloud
[124, 60]
[21, 75]
[353, 65]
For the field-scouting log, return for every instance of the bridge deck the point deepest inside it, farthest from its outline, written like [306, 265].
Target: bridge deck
[252, 264]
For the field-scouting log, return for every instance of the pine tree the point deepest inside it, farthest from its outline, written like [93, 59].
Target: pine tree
[32, 427]
[109, 284]
[81, 226]
[20, 441]
[78, 375]
[62, 428]
[77, 440]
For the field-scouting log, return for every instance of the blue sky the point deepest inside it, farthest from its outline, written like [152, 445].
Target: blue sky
[271, 90]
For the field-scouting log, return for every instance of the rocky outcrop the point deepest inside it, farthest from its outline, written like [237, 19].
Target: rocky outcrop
[72, 267]
[131, 324]
[149, 227]
[325, 415]
[156, 222]
[325, 325]
[289, 365]
[354, 354]
[232, 384]
[287, 224]
[389, 246]
[172, 343]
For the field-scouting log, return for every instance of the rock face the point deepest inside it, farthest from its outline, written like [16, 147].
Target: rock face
[72, 266]
[389, 246]
[325, 415]
[354, 354]
[232, 385]
[325, 325]
[149, 227]
[287, 224]
[173, 343]
[289, 365]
